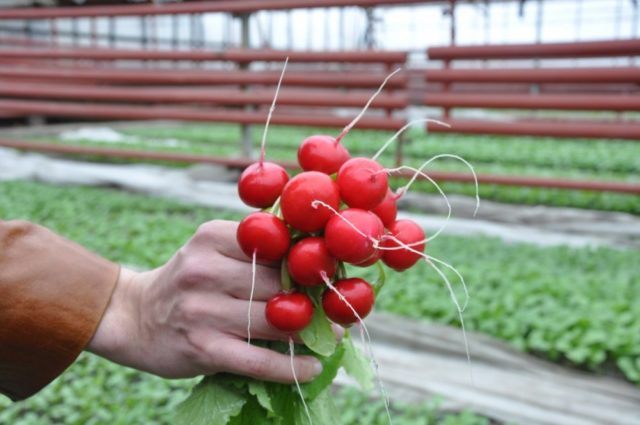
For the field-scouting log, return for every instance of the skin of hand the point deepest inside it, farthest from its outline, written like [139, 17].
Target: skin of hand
[189, 316]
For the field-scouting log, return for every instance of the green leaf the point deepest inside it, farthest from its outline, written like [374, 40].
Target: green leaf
[319, 336]
[252, 414]
[356, 364]
[258, 389]
[330, 366]
[210, 403]
[321, 409]
[380, 280]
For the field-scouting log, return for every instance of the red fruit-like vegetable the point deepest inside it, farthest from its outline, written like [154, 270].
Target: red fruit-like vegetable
[298, 196]
[265, 234]
[408, 232]
[260, 184]
[322, 153]
[387, 210]
[357, 292]
[363, 183]
[348, 244]
[289, 312]
[308, 259]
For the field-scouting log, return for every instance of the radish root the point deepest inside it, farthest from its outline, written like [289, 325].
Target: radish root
[317, 203]
[295, 379]
[366, 341]
[366, 106]
[460, 309]
[271, 109]
[403, 129]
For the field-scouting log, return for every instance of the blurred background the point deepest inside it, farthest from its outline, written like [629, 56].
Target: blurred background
[125, 124]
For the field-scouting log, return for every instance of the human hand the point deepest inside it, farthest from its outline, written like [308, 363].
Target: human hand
[189, 317]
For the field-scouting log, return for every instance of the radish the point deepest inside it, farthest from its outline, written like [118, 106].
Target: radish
[322, 153]
[355, 303]
[352, 235]
[308, 259]
[289, 312]
[263, 235]
[394, 254]
[387, 210]
[363, 183]
[261, 184]
[325, 153]
[298, 197]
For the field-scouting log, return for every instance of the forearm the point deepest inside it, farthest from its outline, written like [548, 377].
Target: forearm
[53, 294]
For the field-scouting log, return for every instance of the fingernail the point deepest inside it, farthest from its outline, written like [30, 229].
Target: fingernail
[317, 368]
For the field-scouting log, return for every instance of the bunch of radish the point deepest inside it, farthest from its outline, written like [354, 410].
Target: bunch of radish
[338, 210]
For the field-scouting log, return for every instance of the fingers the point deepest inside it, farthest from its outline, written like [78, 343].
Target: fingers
[222, 234]
[238, 279]
[260, 327]
[238, 357]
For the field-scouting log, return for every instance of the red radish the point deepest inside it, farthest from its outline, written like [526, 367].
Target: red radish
[289, 312]
[308, 259]
[387, 210]
[351, 233]
[298, 196]
[322, 153]
[363, 183]
[261, 184]
[358, 295]
[265, 234]
[406, 232]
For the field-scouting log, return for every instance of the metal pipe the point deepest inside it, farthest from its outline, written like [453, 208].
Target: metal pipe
[524, 75]
[228, 6]
[235, 97]
[621, 187]
[128, 112]
[198, 77]
[233, 55]
[571, 129]
[576, 102]
[609, 48]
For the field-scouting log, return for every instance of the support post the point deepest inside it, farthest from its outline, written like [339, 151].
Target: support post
[246, 129]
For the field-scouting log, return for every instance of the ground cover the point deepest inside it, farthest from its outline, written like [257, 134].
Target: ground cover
[543, 157]
[576, 306]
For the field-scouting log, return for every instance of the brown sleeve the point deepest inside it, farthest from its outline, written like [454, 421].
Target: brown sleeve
[53, 293]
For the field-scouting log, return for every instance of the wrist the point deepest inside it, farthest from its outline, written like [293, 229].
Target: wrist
[118, 323]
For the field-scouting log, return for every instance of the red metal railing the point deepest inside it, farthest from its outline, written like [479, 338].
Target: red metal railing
[620, 187]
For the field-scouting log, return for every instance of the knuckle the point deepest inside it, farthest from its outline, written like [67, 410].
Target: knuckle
[192, 274]
[209, 229]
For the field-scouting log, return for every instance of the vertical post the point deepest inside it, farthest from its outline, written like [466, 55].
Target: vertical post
[53, 26]
[94, 31]
[246, 130]
[399, 150]
[143, 31]
[74, 30]
[112, 31]
[174, 32]
[446, 86]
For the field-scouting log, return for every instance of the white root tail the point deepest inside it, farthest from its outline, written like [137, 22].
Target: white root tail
[271, 109]
[460, 309]
[366, 342]
[403, 129]
[295, 379]
[366, 106]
